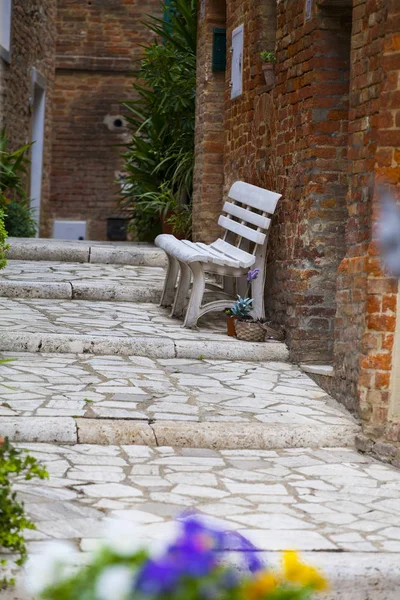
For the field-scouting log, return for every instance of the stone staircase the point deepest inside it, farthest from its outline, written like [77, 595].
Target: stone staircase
[138, 418]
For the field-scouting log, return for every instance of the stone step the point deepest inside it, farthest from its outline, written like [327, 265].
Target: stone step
[120, 328]
[169, 402]
[337, 507]
[87, 281]
[125, 253]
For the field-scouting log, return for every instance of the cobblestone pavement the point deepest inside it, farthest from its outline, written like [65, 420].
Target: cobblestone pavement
[51, 385]
[116, 372]
[117, 319]
[334, 499]
[49, 271]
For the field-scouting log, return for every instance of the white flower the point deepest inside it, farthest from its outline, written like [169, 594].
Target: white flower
[123, 538]
[50, 567]
[114, 583]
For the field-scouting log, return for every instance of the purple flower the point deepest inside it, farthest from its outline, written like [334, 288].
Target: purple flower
[194, 555]
[252, 274]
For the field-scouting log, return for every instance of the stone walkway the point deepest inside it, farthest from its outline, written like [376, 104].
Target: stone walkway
[57, 397]
[140, 420]
[340, 509]
[62, 280]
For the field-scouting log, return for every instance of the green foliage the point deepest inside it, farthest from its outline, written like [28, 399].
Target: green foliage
[18, 220]
[3, 237]
[13, 520]
[268, 57]
[242, 307]
[14, 201]
[159, 159]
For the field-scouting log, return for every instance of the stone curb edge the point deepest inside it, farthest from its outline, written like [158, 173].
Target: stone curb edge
[142, 346]
[217, 436]
[86, 253]
[79, 291]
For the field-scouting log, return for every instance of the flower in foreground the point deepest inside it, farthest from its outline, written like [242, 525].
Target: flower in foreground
[50, 567]
[115, 583]
[298, 572]
[195, 554]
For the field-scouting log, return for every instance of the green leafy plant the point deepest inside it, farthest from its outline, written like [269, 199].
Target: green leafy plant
[14, 201]
[159, 159]
[268, 57]
[3, 245]
[242, 307]
[13, 463]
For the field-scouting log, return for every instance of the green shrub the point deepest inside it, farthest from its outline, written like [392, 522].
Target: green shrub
[159, 159]
[13, 520]
[3, 237]
[14, 201]
[18, 220]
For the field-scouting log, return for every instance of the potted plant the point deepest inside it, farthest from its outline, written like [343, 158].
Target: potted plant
[245, 326]
[269, 60]
[230, 322]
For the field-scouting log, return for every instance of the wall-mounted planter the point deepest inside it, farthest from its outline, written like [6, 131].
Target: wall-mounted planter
[269, 73]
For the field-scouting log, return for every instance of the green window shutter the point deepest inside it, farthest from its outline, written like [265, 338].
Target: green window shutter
[167, 17]
[219, 50]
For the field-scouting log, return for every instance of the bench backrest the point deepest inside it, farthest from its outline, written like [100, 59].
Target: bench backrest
[247, 219]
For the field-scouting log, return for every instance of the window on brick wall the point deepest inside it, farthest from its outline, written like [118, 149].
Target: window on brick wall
[5, 28]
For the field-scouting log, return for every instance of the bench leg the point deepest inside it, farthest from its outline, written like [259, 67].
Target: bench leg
[196, 297]
[182, 290]
[168, 294]
[257, 293]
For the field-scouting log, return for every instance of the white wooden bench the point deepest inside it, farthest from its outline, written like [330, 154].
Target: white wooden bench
[243, 246]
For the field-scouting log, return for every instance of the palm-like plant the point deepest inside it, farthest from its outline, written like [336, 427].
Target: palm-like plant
[14, 201]
[159, 159]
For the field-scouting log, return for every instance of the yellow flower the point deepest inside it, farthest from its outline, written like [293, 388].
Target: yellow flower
[296, 571]
[263, 584]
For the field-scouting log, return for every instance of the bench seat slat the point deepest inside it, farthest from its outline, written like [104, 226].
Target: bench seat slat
[245, 259]
[253, 196]
[246, 215]
[242, 230]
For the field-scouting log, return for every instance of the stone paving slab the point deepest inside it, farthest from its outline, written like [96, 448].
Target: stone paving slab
[211, 403]
[327, 499]
[128, 253]
[142, 329]
[122, 283]
[334, 505]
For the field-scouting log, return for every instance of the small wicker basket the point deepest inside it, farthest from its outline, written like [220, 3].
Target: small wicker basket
[249, 331]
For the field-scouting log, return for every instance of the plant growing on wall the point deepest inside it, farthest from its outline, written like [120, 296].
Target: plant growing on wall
[159, 159]
[13, 521]
[14, 201]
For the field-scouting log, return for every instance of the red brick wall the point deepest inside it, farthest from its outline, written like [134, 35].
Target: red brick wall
[357, 292]
[98, 52]
[376, 361]
[33, 36]
[293, 139]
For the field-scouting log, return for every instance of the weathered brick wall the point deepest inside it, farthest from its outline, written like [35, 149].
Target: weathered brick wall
[293, 139]
[210, 130]
[32, 45]
[378, 402]
[360, 285]
[98, 52]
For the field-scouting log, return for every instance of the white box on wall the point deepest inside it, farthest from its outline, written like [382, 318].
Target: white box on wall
[237, 61]
[69, 230]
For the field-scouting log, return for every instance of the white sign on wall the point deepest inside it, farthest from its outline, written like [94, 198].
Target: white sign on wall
[309, 5]
[5, 24]
[237, 61]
